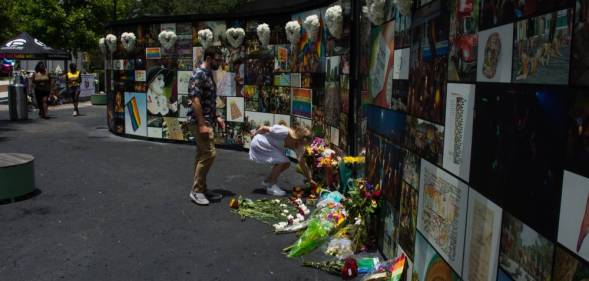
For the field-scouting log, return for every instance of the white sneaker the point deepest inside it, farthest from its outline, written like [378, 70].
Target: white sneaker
[75, 113]
[198, 198]
[275, 190]
[266, 184]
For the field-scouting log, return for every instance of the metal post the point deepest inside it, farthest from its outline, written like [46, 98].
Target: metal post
[114, 10]
[354, 93]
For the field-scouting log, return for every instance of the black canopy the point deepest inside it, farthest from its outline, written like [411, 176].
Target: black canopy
[25, 47]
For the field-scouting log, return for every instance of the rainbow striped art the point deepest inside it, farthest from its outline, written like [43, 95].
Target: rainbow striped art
[397, 268]
[153, 53]
[302, 102]
[312, 51]
[134, 113]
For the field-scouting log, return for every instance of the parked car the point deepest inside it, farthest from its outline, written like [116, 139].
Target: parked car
[6, 67]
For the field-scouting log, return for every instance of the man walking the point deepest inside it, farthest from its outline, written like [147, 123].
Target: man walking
[202, 92]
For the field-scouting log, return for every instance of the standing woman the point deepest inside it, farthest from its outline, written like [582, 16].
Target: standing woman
[73, 83]
[42, 83]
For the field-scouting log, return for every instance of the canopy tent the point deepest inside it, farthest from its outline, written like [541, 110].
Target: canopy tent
[25, 47]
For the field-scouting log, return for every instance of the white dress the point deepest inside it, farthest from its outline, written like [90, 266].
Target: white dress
[268, 148]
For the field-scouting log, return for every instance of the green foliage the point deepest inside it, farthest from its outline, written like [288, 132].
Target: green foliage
[76, 25]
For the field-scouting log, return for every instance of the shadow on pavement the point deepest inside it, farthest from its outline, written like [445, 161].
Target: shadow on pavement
[33, 194]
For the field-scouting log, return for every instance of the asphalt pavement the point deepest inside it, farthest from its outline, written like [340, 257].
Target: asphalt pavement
[112, 208]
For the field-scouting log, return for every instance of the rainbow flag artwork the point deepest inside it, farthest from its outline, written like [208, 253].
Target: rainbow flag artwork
[302, 102]
[134, 113]
[397, 268]
[311, 51]
[153, 53]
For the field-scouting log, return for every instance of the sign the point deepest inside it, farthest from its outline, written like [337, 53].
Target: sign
[87, 86]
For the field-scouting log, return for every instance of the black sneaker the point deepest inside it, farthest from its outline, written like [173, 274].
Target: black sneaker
[214, 196]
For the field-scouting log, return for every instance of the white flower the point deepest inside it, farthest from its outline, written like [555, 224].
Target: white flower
[404, 7]
[300, 217]
[289, 217]
[375, 11]
[285, 211]
[293, 32]
[280, 226]
[205, 37]
[276, 200]
[334, 20]
[312, 25]
[128, 40]
[263, 31]
[235, 36]
[283, 205]
[111, 42]
[102, 45]
[167, 39]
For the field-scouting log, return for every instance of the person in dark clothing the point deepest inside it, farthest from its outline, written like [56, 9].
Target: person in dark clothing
[42, 84]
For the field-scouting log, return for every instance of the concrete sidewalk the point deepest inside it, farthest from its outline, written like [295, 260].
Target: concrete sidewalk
[112, 208]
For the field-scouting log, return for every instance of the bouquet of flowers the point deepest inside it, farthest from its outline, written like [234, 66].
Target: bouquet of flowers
[324, 221]
[347, 268]
[362, 200]
[323, 161]
[293, 222]
[350, 167]
[269, 211]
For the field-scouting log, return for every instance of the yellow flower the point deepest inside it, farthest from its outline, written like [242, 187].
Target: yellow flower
[374, 204]
[354, 159]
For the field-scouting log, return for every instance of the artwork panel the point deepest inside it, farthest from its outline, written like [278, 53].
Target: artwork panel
[495, 50]
[428, 264]
[458, 130]
[408, 219]
[483, 231]
[387, 231]
[442, 212]
[580, 53]
[183, 79]
[162, 92]
[381, 62]
[542, 48]
[574, 218]
[515, 156]
[568, 268]
[524, 254]
[236, 109]
[135, 114]
[302, 102]
[462, 60]
[401, 64]
[425, 139]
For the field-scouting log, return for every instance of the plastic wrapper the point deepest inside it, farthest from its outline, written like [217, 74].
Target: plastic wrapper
[341, 248]
[317, 233]
[367, 265]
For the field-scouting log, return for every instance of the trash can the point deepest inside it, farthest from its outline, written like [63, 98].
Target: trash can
[17, 102]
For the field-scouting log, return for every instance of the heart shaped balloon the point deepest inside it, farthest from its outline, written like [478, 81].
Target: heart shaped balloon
[128, 40]
[167, 39]
[102, 45]
[205, 37]
[312, 25]
[293, 32]
[263, 31]
[235, 36]
[334, 21]
[111, 42]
